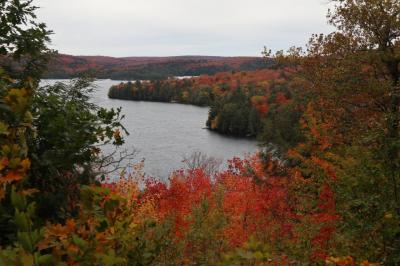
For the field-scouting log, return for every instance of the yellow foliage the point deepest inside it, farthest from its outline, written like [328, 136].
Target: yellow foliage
[343, 261]
[214, 122]
[18, 99]
[366, 263]
[25, 164]
[347, 261]
[185, 95]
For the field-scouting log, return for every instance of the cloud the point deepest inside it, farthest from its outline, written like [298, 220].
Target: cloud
[180, 27]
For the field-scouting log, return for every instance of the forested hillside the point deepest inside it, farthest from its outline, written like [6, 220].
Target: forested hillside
[145, 68]
[331, 197]
[254, 103]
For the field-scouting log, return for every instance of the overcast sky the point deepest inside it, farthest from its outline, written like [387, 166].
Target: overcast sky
[180, 27]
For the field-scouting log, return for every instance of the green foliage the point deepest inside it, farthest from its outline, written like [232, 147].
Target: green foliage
[232, 111]
[341, 198]
[107, 232]
[154, 244]
[161, 91]
[23, 38]
[281, 127]
[252, 253]
[24, 251]
[20, 34]
[204, 238]
[352, 124]
[268, 109]
[367, 209]
[233, 117]
[65, 149]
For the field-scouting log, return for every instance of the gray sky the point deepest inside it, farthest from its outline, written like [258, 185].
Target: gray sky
[180, 27]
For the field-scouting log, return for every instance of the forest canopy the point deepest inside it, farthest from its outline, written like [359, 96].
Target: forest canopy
[330, 197]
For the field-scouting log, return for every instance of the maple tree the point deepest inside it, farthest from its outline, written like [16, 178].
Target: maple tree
[332, 199]
[248, 103]
[351, 123]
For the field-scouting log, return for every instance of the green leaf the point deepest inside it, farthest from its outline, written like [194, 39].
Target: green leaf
[45, 260]
[22, 221]
[79, 242]
[18, 200]
[3, 129]
[24, 240]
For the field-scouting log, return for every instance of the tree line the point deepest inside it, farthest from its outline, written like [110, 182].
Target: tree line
[331, 197]
[244, 104]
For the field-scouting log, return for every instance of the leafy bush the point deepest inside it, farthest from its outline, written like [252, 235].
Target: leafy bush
[65, 150]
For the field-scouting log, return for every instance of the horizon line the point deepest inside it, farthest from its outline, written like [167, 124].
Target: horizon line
[158, 56]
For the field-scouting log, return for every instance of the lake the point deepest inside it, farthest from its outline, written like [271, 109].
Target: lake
[163, 133]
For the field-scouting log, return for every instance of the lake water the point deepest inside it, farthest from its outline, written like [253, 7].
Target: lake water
[164, 133]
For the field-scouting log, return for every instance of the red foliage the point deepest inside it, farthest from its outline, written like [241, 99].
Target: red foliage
[260, 103]
[326, 219]
[281, 98]
[74, 65]
[233, 80]
[250, 208]
[253, 202]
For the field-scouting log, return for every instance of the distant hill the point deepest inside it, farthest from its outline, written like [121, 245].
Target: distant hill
[144, 68]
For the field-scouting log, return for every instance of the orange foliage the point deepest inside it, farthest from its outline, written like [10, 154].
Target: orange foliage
[281, 98]
[260, 103]
[263, 209]
[74, 65]
[254, 202]
[347, 261]
[238, 78]
[12, 176]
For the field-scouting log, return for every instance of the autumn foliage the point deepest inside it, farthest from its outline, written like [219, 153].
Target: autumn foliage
[241, 102]
[145, 68]
[323, 191]
[208, 215]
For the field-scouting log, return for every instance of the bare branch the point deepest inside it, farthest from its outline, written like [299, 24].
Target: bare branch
[198, 160]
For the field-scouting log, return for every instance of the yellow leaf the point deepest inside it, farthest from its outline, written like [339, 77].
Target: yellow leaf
[388, 216]
[17, 99]
[3, 128]
[26, 164]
